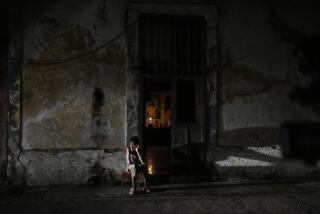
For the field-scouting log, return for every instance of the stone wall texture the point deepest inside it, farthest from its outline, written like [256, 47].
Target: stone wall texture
[77, 115]
[267, 53]
[74, 113]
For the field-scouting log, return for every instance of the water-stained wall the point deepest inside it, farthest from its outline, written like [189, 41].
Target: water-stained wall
[261, 70]
[268, 75]
[74, 111]
[79, 109]
[4, 34]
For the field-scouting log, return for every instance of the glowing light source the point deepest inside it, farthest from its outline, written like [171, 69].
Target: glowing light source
[150, 169]
[150, 118]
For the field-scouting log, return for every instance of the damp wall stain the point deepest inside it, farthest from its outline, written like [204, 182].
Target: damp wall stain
[305, 48]
[263, 62]
[59, 111]
[58, 125]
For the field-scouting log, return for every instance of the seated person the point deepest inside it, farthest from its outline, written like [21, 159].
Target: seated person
[136, 164]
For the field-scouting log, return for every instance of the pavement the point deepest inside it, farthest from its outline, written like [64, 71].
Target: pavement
[281, 196]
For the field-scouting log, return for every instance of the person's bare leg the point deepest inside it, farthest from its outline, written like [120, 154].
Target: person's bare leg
[133, 184]
[133, 180]
[145, 180]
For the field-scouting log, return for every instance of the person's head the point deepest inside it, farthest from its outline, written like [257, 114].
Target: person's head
[134, 142]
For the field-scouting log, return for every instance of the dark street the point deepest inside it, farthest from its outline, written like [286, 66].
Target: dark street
[221, 197]
[213, 105]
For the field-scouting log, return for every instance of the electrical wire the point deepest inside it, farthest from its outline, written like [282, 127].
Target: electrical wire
[30, 61]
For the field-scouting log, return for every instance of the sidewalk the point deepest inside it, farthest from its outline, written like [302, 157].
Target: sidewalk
[224, 197]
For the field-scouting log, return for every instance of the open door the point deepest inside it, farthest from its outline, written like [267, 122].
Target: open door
[172, 57]
[173, 126]
[157, 125]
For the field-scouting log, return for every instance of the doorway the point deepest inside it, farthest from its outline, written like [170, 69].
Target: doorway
[172, 62]
[157, 117]
[173, 127]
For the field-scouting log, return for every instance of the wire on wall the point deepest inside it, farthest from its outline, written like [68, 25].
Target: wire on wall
[30, 61]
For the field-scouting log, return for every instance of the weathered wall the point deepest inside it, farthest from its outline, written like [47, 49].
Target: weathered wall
[15, 169]
[261, 70]
[267, 54]
[3, 90]
[3, 126]
[78, 114]
[73, 112]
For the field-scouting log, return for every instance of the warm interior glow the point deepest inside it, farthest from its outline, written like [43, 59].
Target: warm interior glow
[158, 110]
[150, 169]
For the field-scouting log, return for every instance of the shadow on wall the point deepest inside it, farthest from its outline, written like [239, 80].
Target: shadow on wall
[236, 163]
[266, 162]
[253, 136]
[102, 175]
[306, 51]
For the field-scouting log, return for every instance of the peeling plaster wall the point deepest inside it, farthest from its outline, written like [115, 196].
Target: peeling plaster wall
[4, 34]
[73, 167]
[15, 169]
[74, 113]
[76, 116]
[260, 71]
[266, 48]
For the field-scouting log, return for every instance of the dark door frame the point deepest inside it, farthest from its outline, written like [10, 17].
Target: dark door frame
[135, 66]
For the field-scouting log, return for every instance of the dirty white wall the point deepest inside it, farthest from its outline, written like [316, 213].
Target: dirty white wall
[260, 73]
[73, 112]
[260, 70]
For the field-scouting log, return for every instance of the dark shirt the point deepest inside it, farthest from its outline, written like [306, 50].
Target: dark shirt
[133, 157]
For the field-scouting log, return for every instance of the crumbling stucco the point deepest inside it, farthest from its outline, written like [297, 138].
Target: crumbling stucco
[77, 116]
[71, 167]
[59, 99]
[258, 75]
[74, 113]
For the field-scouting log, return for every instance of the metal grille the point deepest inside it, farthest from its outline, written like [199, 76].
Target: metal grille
[172, 44]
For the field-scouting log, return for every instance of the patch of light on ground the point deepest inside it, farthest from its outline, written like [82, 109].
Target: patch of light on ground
[240, 161]
[267, 150]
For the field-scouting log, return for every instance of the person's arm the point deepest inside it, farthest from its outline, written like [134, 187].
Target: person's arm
[139, 155]
[127, 156]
